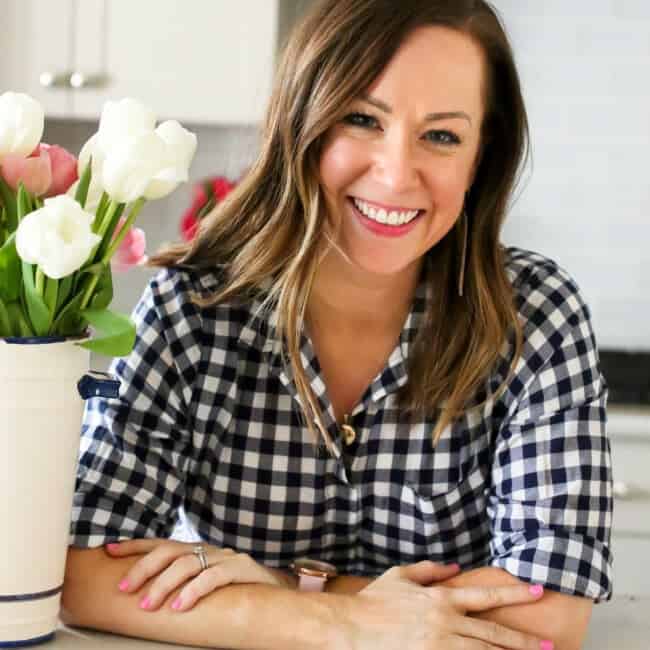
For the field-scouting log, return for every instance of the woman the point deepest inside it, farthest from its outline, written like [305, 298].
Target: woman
[347, 365]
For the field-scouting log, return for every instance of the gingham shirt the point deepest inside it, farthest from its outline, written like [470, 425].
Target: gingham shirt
[207, 431]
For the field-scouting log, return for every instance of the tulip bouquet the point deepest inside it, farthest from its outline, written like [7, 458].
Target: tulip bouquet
[67, 223]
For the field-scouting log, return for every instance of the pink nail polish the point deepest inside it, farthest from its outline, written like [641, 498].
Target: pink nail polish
[124, 585]
[145, 602]
[177, 603]
[547, 645]
[536, 590]
[112, 547]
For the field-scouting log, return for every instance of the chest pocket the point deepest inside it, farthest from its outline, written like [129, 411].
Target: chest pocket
[428, 502]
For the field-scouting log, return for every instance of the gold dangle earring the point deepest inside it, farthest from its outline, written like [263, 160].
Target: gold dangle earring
[465, 226]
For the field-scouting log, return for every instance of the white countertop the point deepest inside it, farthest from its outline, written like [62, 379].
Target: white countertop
[621, 624]
[632, 420]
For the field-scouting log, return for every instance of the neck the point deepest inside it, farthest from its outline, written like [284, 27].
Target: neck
[348, 298]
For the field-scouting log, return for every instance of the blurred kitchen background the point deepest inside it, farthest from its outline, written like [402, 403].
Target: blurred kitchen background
[585, 200]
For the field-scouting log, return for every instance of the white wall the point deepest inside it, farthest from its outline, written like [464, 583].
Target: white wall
[585, 68]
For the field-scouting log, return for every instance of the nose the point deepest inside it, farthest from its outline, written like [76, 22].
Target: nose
[396, 164]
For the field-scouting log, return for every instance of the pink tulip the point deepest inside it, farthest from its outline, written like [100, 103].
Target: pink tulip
[64, 169]
[131, 251]
[35, 172]
[49, 170]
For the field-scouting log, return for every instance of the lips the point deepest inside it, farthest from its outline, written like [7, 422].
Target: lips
[381, 229]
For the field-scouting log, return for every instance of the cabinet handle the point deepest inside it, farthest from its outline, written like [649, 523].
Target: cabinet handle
[81, 80]
[52, 80]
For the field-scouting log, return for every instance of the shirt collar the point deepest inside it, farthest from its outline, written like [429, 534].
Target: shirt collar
[259, 332]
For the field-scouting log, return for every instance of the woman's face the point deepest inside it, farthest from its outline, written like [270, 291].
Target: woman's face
[411, 144]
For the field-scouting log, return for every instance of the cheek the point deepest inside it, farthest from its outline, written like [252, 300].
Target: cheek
[340, 163]
[448, 184]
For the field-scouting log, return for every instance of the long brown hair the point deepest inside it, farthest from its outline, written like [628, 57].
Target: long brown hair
[269, 231]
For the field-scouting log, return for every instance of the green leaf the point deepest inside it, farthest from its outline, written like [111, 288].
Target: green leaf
[4, 226]
[108, 236]
[10, 281]
[102, 206]
[9, 202]
[5, 322]
[23, 202]
[69, 322]
[117, 332]
[50, 295]
[39, 314]
[94, 269]
[81, 194]
[19, 323]
[65, 288]
[103, 293]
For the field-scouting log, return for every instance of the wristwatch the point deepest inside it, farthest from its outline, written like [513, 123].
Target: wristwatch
[312, 574]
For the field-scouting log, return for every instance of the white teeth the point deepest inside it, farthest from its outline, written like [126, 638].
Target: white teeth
[392, 218]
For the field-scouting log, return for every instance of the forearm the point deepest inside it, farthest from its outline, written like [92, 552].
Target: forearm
[237, 616]
[549, 617]
[563, 619]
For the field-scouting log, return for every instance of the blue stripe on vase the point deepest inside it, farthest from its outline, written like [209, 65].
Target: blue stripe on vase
[28, 642]
[36, 596]
[34, 340]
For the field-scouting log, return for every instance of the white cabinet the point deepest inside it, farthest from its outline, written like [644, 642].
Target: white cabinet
[204, 61]
[38, 42]
[629, 430]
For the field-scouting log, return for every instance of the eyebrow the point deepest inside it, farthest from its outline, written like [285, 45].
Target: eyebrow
[430, 117]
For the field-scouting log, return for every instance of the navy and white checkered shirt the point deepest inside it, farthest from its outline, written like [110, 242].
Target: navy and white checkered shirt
[207, 431]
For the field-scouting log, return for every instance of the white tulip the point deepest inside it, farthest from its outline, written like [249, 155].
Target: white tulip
[131, 159]
[58, 237]
[181, 147]
[124, 119]
[131, 164]
[22, 121]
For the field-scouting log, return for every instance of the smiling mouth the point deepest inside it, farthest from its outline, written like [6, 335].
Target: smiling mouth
[390, 218]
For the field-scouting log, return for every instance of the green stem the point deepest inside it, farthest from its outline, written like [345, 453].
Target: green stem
[137, 206]
[40, 281]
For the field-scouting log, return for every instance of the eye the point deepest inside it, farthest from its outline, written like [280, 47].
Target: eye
[446, 138]
[360, 119]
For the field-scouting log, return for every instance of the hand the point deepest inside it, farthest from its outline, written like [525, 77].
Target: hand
[399, 609]
[172, 564]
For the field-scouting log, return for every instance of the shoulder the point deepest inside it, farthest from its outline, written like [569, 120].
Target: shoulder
[548, 298]
[171, 289]
[171, 299]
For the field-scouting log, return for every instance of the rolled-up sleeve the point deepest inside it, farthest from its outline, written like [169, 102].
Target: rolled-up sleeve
[550, 501]
[135, 449]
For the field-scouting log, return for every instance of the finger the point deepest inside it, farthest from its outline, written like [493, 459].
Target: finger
[178, 573]
[151, 564]
[132, 546]
[478, 599]
[463, 643]
[426, 572]
[493, 633]
[236, 569]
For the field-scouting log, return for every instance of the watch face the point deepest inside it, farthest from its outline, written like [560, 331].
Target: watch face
[315, 568]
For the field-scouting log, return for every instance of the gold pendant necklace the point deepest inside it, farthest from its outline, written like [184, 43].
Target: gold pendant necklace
[349, 434]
